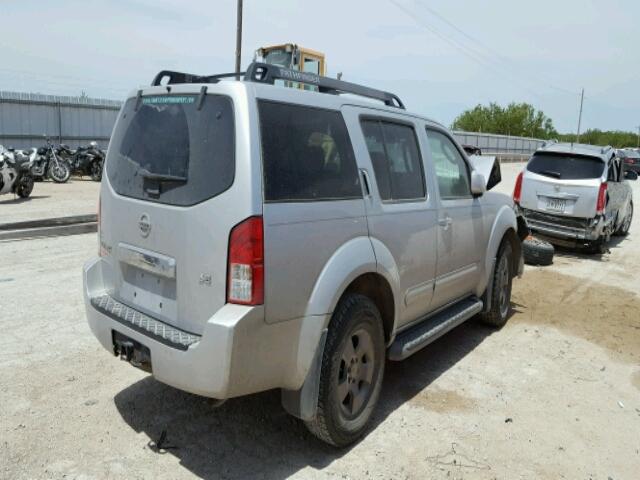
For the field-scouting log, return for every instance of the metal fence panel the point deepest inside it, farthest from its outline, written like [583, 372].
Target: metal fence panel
[27, 118]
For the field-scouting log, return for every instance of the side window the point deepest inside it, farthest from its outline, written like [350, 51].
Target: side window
[394, 153]
[306, 154]
[451, 169]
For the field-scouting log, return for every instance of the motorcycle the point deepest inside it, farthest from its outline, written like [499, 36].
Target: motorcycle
[15, 176]
[50, 164]
[85, 161]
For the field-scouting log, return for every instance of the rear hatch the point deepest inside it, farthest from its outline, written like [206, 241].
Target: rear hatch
[172, 194]
[562, 184]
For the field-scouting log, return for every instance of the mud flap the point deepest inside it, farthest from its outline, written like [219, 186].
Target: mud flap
[303, 403]
[486, 297]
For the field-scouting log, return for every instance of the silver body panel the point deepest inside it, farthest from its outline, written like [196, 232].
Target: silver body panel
[567, 208]
[170, 262]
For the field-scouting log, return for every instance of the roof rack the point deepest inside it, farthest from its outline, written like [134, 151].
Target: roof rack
[180, 77]
[266, 73]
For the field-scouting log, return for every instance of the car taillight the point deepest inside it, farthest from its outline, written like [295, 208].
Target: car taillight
[517, 190]
[628, 161]
[602, 199]
[245, 283]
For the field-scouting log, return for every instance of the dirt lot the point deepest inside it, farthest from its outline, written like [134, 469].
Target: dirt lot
[554, 394]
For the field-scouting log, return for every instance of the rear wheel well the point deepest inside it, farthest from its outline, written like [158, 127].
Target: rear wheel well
[376, 288]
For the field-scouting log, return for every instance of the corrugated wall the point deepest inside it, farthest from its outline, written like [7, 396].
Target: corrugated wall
[499, 144]
[27, 118]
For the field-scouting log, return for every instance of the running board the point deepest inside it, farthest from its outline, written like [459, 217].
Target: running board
[410, 341]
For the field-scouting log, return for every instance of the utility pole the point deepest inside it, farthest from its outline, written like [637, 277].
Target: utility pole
[638, 136]
[580, 116]
[239, 39]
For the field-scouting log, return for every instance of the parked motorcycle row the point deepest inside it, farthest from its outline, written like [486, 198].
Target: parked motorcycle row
[20, 168]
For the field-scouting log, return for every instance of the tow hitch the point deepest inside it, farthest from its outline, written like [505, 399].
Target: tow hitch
[131, 351]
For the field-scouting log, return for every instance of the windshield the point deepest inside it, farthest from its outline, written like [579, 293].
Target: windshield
[566, 166]
[170, 151]
[278, 57]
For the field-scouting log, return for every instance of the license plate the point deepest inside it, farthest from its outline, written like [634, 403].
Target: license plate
[556, 204]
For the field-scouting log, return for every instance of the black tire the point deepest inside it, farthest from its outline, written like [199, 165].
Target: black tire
[59, 173]
[623, 229]
[343, 416]
[537, 252]
[26, 187]
[96, 171]
[502, 280]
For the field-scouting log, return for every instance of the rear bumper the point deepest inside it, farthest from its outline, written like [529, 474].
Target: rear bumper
[238, 353]
[566, 227]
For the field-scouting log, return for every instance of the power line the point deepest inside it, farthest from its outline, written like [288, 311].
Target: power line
[500, 58]
[465, 50]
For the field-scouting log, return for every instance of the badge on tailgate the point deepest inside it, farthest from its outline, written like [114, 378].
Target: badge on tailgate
[153, 262]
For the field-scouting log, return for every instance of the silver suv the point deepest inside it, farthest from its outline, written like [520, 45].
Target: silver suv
[576, 194]
[255, 237]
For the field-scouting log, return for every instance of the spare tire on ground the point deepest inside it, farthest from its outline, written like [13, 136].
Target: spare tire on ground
[537, 252]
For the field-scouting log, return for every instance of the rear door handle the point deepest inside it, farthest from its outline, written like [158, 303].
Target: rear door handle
[445, 222]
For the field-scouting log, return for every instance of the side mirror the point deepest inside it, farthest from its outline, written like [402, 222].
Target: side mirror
[478, 184]
[630, 175]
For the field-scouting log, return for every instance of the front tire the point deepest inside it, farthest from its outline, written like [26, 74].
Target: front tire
[26, 187]
[502, 280]
[59, 173]
[351, 373]
[96, 171]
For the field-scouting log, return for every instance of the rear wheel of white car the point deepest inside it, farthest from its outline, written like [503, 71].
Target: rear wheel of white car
[352, 371]
[623, 230]
[502, 280]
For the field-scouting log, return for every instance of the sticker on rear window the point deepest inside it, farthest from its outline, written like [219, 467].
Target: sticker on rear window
[168, 99]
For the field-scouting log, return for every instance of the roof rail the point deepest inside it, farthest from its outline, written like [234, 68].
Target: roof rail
[266, 73]
[180, 77]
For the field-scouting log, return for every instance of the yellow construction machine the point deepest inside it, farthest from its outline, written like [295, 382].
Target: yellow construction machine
[294, 57]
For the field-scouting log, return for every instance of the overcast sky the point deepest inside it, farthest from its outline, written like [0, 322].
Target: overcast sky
[439, 56]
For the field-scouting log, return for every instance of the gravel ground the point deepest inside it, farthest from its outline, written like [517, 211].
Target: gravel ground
[553, 394]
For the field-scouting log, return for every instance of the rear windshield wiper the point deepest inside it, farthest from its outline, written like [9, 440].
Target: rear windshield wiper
[550, 173]
[161, 177]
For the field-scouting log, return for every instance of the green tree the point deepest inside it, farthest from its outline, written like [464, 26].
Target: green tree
[617, 138]
[516, 119]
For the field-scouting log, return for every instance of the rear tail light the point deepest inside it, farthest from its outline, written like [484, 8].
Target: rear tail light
[245, 283]
[517, 190]
[602, 199]
[628, 161]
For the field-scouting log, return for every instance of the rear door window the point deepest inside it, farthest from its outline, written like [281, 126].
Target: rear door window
[173, 149]
[306, 154]
[395, 157]
[566, 166]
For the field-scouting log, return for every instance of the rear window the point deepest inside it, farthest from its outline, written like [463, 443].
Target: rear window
[306, 154]
[566, 166]
[174, 149]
